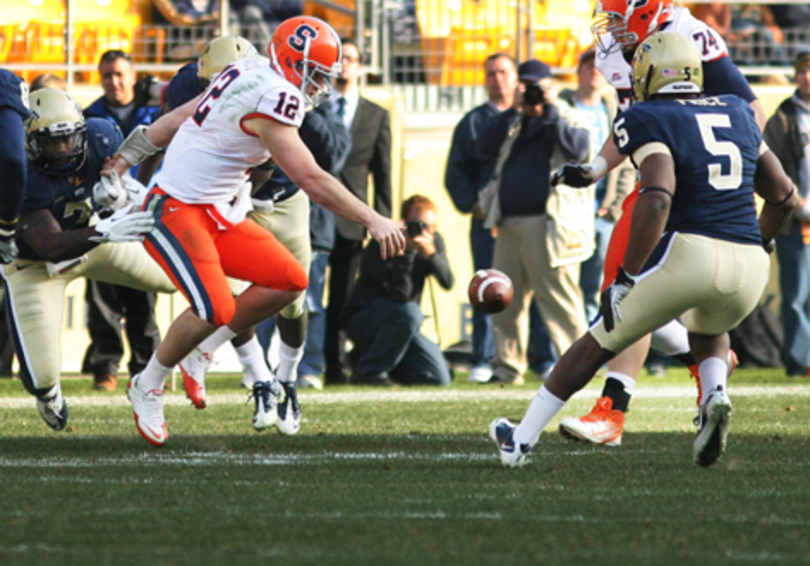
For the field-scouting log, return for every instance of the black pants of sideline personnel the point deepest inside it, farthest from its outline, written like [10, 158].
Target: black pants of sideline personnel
[107, 304]
[344, 264]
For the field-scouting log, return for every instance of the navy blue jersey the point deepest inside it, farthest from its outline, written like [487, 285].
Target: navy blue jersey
[715, 146]
[69, 198]
[14, 93]
[13, 112]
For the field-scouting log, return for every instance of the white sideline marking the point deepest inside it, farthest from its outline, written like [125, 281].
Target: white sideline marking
[405, 395]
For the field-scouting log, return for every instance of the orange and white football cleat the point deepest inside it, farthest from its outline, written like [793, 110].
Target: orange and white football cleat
[603, 425]
[194, 367]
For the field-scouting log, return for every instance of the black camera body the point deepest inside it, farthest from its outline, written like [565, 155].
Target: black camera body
[534, 95]
[415, 227]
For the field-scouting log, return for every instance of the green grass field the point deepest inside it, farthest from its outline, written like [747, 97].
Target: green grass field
[404, 476]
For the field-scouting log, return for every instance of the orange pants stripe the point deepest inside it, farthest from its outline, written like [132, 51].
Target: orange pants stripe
[619, 240]
[189, 244]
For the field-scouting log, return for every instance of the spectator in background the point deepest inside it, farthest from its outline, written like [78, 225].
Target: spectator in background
[46, 80]
[540, 130]
[258, 17]
[794, 20]
[716, 15]
[382, 316]
[597, 108]
[370, 129]
[192, 21]
[466, 174]
[754, 37]
[787, 133]
[108, 304]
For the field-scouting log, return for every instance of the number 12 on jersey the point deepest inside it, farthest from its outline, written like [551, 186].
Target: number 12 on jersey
[214, 91]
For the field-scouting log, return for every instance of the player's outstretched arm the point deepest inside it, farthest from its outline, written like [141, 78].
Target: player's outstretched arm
[143, 141]
[293, 156]
[774, 186]
[586, 174]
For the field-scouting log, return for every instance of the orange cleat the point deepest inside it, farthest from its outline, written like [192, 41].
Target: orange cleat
[602, 425]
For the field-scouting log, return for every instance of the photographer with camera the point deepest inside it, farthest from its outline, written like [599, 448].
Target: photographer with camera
[529, 141]
[382, 316]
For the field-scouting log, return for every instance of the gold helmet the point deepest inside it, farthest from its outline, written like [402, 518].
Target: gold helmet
[667, 62]
[221, 52]
[56, 133]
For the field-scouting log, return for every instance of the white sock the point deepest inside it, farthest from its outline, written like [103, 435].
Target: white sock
[544, 407]
[713, 374]
[671, 339]
[154, 375]
[288, 360]
[251, 356]
[218, 338]
[628, 382]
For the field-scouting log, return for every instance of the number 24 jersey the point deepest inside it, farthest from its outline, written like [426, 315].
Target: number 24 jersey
[210, 157]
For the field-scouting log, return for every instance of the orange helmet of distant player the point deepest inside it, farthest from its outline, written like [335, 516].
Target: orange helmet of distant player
[628, 22]
[307, 51]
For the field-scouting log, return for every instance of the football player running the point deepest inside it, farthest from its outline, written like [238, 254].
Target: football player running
[696, 245]
[620, 26]
[288, 219]
[250, 112]
[60, 240]
[14, 109]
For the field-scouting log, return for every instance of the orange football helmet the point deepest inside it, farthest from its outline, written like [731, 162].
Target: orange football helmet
[306, 50]
[628, 22]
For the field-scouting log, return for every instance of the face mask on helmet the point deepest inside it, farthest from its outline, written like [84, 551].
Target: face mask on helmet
[666, 63]
[623, 24]
[307, 52]
[56, 133]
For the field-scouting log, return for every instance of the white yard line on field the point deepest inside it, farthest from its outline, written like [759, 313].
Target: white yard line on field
[420, 396]
[406, 395]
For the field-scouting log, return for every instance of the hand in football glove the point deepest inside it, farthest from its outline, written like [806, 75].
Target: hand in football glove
[124, 226]
[573, 175]
[109, 192]
[612, 296]
[8, 248]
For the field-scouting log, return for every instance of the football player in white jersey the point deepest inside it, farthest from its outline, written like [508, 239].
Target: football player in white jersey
[620, 26]
[287, 217]
[250, 112]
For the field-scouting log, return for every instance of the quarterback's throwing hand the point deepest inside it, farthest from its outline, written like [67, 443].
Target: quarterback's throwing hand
[390, 235]
[613, 295]
[573, 175]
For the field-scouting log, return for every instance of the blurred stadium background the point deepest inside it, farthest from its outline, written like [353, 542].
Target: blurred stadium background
[424, 60]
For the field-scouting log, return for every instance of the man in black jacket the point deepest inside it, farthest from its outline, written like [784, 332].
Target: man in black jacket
[370, 128]
[787, 133]
[383, 316]
[521, 249]
[466, 174]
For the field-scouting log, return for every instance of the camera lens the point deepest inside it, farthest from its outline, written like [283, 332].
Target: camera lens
[533, 95]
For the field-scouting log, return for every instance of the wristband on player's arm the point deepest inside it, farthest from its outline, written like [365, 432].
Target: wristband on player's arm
[137, 146]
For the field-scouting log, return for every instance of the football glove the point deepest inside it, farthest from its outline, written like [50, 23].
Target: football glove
[124, 226]
[8, 246]
[109, 192]
[613, 295]
[573, 175]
